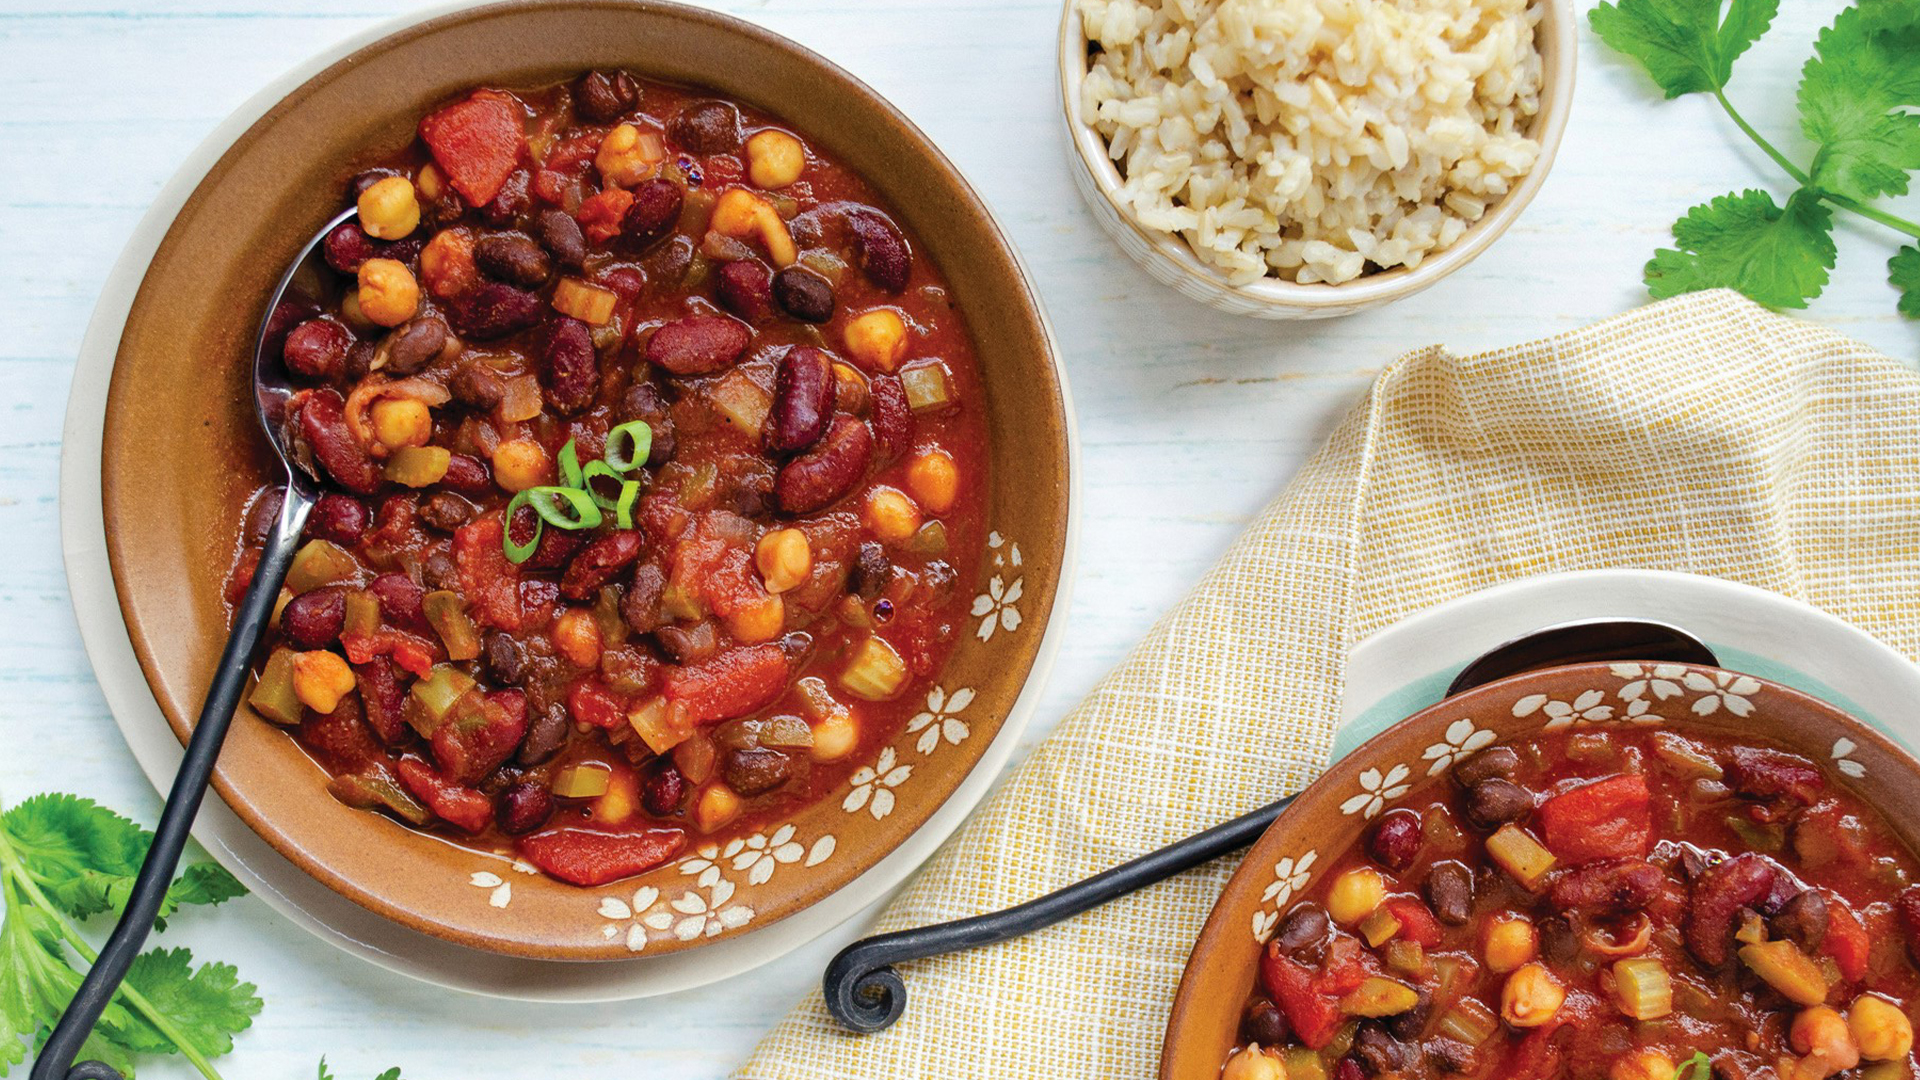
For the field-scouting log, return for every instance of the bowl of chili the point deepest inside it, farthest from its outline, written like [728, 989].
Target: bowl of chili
[686, 541]
[1618, 870]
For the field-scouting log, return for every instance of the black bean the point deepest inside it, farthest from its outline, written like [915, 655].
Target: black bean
[707, 127]
[1379, 1052]
[1803, 920]
[601, 97]
[871, 571]
[1494, 802]
[560, 234]
[640, 604]
[1450, 892]
[440, 572]
[803, 294]
[1495, 762]
[413, 345]
[1303, 929]
[445, 511]
[513, 258]
[1559, 943]
[1410, 1025]
[1450, 1056]
[506, 658]
[1265, 1024]
[757, 770]
[545, 734]
[477, 386]
[688, 644]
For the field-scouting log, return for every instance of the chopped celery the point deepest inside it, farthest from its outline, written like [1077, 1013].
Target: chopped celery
[661, 724]
[1407, 958]
[273, 695]
[586, 780]
[520, 399]
[377, 790]
[741, 402]
[1685, 756]
[317, 563]
[826, 264]
[1770, 837]
[786, 731]
[930, 540]
[1343, 1039]
[681, 604]
[695, 758]
[1304, 1064]
[1520, 855]
[363, 613]
[1379, 996]
[1786, 969]
[927, 385]
[1468, 1021]
[418, 466]
[437, 694]
[875, 672]
[1642, 988]
[447, 613]
[1379, 926]
[606, 615]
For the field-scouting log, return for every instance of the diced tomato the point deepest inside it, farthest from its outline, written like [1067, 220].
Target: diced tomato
[488, 581]
[570, 156]
[483, 731]
[591, 703]
[1345, 967]
[414, 654]
[1846, 940]
[600, 213]
[455, 804]
[1607, 819]
[242, 576]
[477, 143]
[1535, 1058]
[733, 683]
[551, 187]
[723, 169]
[1314, 1015]
[341, 739]
[384, 699]
[1417, 924]
[591, 858]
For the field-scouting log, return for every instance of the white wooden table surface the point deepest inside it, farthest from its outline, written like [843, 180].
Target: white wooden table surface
[1189, 420]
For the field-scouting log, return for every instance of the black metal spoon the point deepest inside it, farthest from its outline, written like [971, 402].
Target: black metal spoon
[270, 392]
[866, 994]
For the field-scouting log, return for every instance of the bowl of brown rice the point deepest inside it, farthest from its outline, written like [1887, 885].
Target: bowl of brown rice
[1297, 159]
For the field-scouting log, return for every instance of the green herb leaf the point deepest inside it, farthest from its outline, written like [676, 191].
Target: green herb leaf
[208, 1006]
[206, 883]
[1777, 257]
[1903, 270]
[1683, 44]
[1865, 66]
[390, 1074]
[85, 857]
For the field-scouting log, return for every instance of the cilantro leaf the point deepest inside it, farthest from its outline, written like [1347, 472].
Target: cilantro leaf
[206, 883]
[390, 1074]
[208, 1006]
[1777, 257]
[1683, 44]
[1903, 270]
[85, 857]
[1863, 69]
[36, 982]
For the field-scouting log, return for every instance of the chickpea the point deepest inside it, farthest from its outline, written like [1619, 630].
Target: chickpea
[628, 155]
[1252, 1063]
[388, 294]
[321, 679]
[877, 338]
[775, 159]
[430, 182]
[835, 736]
[388, 209]
[577, 637]
[1880, 1028]
[399, 422]
[1355, 895]
[1531, 996]
[774, 236]
[1511, 941]
[350, 312]
[891, 516]
[1642, 1065]
[734, 213]
[1820, 1033]
[758, 622]
[716, 806]
[934, 480]
[519, 464]
[784, 559]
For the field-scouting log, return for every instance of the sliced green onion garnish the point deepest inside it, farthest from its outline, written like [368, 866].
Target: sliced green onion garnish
[563, 507]
[570, 466]
[623, 509]
[639, 438]
[600, 470]
[519, 553]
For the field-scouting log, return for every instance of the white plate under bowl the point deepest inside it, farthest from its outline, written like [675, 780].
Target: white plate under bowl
[285, 887]
[1407, 666]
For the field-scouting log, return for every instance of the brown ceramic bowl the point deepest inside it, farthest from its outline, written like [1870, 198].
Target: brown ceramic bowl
[181, 452]
[1333, 813]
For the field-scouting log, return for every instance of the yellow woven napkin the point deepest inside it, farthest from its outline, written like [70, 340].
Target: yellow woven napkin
[1702, 434]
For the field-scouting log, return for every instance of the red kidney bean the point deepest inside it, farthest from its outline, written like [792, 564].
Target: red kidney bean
[1609, 885]
[598, 561]
[1348, 1068]
[384, 700]
[1906, 907]
[1450, 892]
[803, 294]
[757, 770]
[445, 511]
[337, 518]
[1493, 763]
[317, 348]
[556, 545]
[707, 127]
[698, 344]
[892, 416]
[640, 605]
[468, 475]
[509, 202]
[313, 619]
[495, 309]
[1396, 839]
[802, 400]
[1718, 895]
[347, 246]
[884, 254]
[1493, 803]
[261, 514]
[400, 600]
[523, 808]
[513, 258]
[416, 342]
[652, 214]
[560, 234]
[663, 789]
[746, 289]
[602, 97]
[828, 471]
[1772, 774]
[476, 386]
[570, 366]
[292, 310]
[324, 426]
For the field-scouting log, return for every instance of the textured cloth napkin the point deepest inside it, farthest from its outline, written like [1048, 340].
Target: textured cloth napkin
[1702, 434]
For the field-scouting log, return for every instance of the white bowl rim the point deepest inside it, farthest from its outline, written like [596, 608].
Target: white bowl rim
[1174, 252]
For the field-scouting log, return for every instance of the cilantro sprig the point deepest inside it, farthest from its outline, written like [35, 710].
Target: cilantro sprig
[63, 859]
[1856, 98]
[390, 1074]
